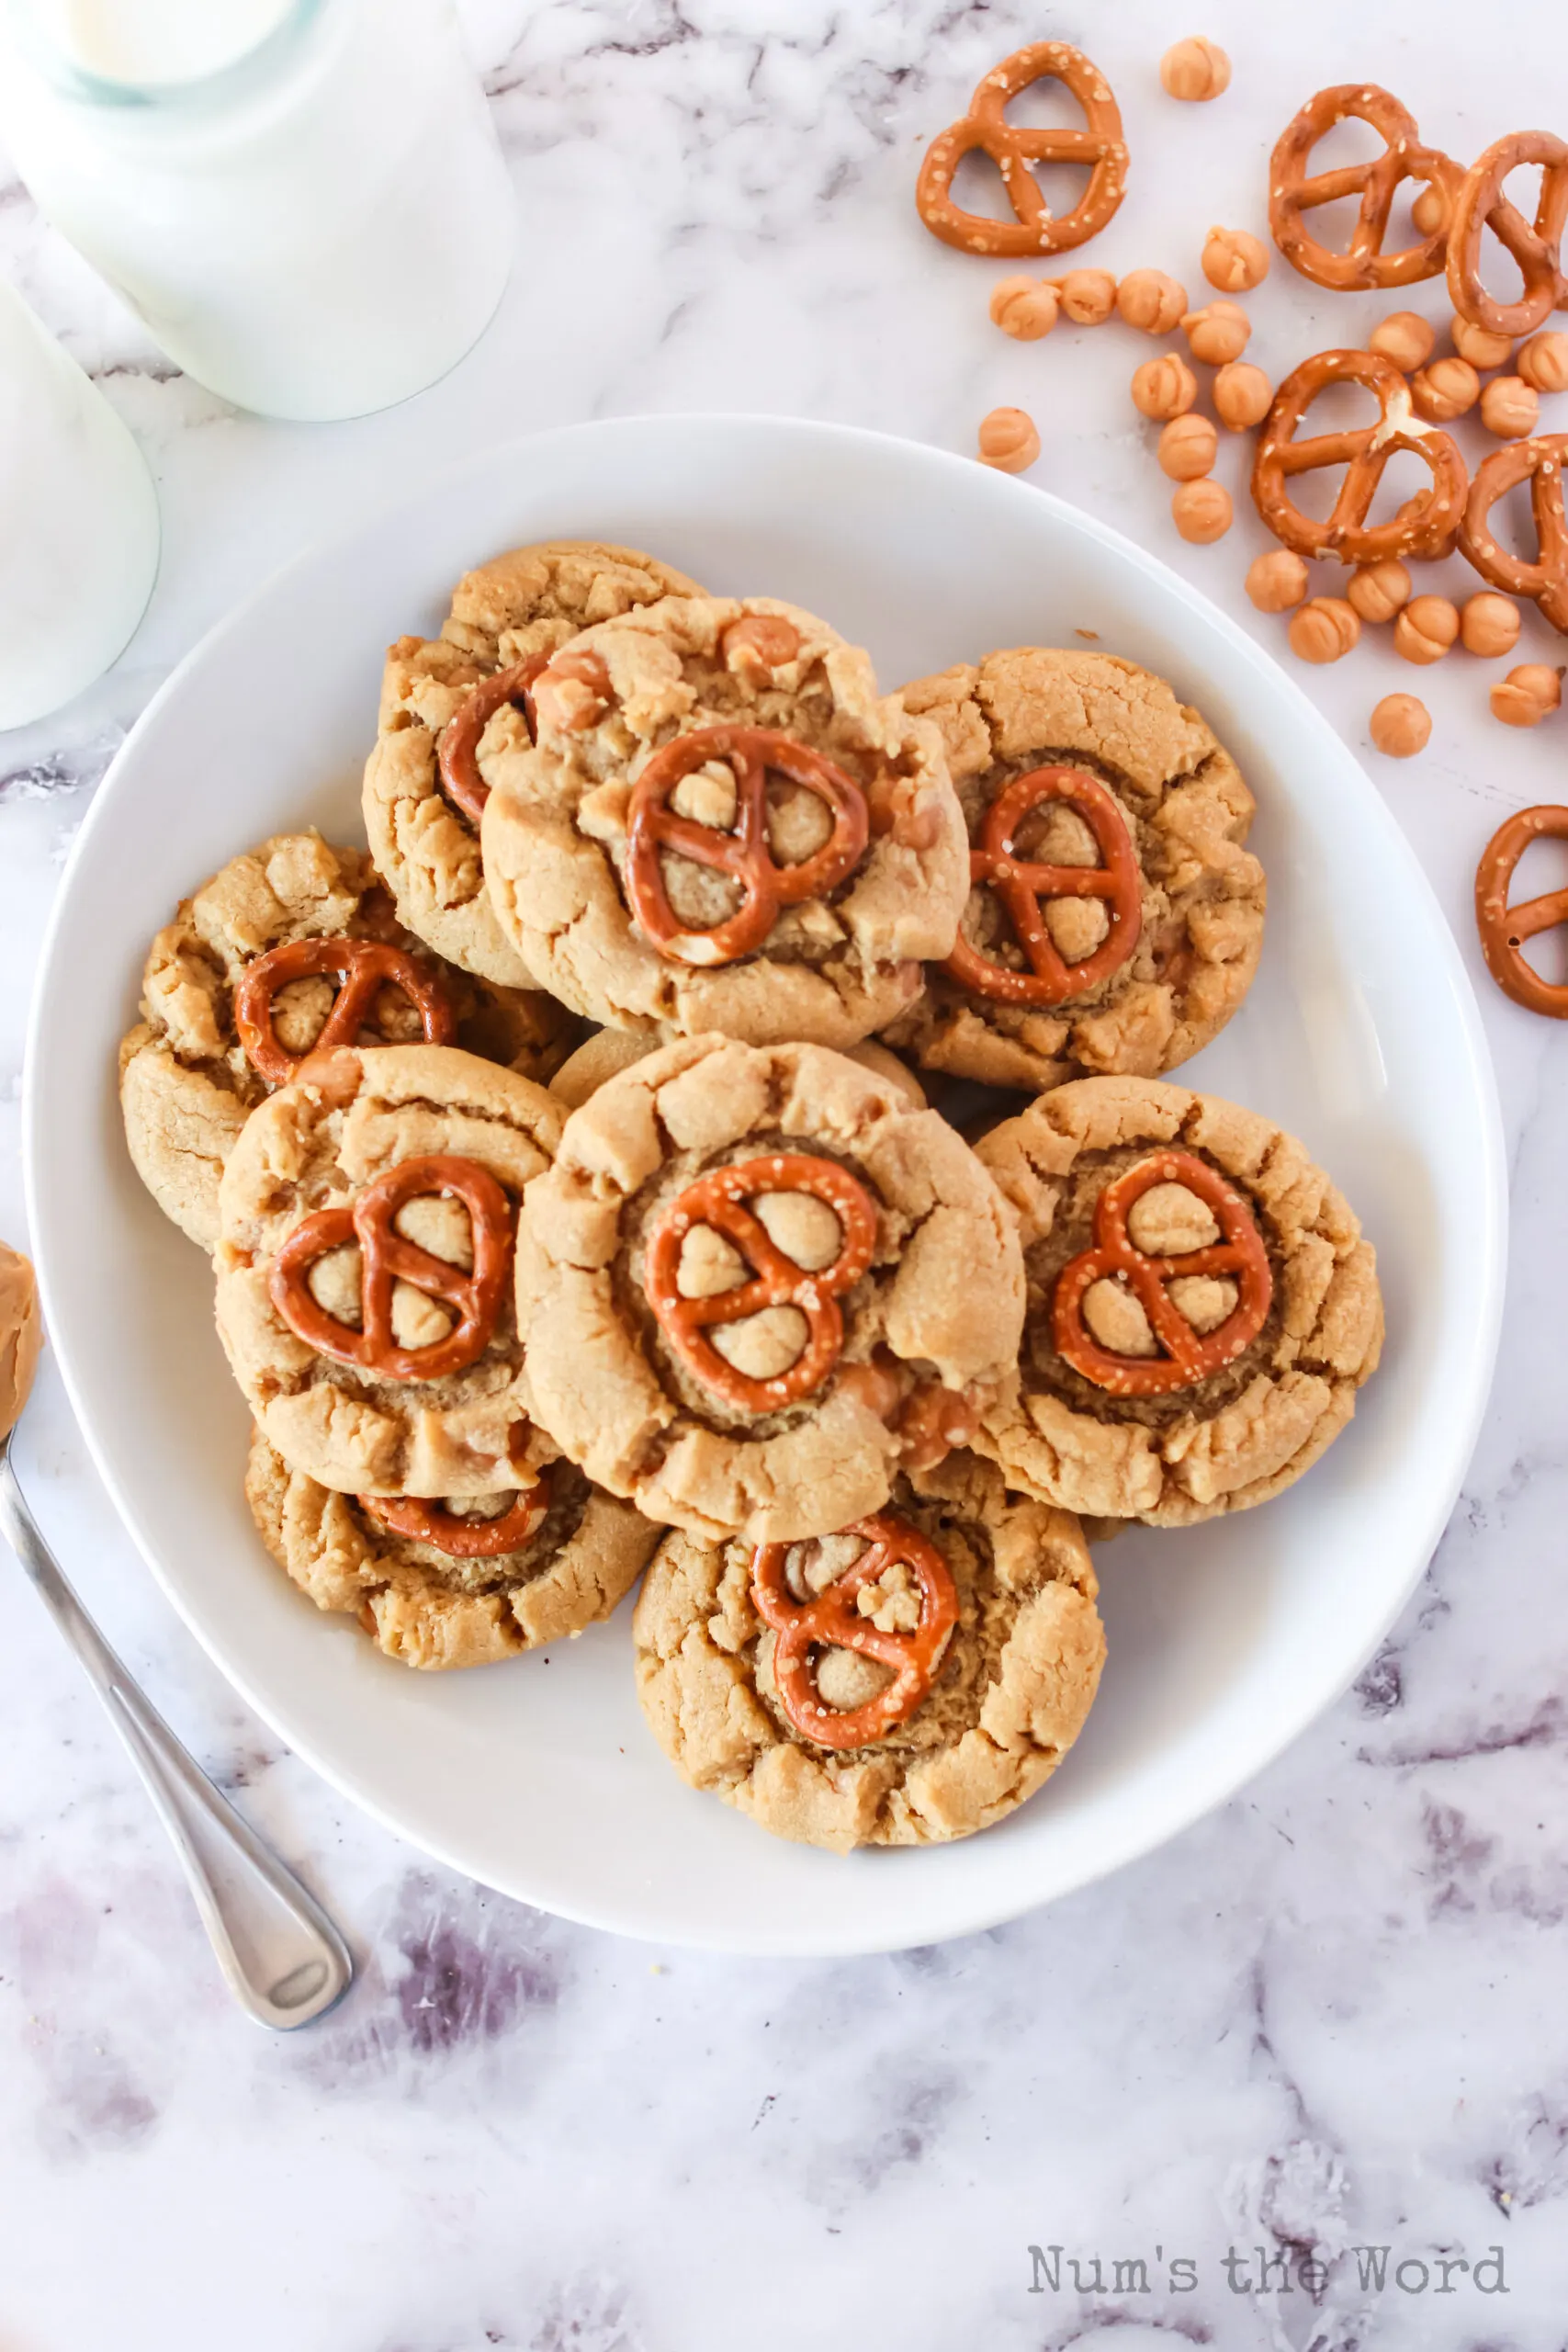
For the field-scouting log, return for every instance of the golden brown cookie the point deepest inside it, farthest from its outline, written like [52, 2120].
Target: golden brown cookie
[526, 602]
[724, 827]
[1201, 1306]
[755, 1282]
[186, 1082]
[610, 1051]
[1070, 761]
[863, 1740]
[428, 1604]
[364, 1270]
[21, 1335]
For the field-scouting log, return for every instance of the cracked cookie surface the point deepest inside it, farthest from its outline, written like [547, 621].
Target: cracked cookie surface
[831, 967]
[529, 601]
[1240, 1433]
[316, 1144]
[187, 1084]
[1011, 1692]
[1187, 812]
[930, 1330]
[425, 1608]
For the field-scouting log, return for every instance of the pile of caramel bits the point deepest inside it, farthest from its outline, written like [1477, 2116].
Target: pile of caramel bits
[1504, 359]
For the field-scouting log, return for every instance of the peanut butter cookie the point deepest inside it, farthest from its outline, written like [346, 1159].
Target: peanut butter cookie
[462, 1583]
[1201, 1306]
[445, 712]
[1070, 763]
[723, 826]
[609, 1051]
[755, 1282]
[187, 1078]
[364, 1269]
[909, 1679]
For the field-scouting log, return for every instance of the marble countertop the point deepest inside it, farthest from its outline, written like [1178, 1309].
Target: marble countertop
[1328, 2018]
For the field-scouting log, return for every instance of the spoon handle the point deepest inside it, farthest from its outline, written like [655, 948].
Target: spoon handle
[284, 1960]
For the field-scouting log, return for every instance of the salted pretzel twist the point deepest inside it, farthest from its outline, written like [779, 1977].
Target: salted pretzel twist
[460, 1537]
[1188, 1356]
[1504, 929]
[388, 1257]
[1012, 148]
[457, 750]
[1022, 887]
[720, 1200]
[653, 830]
[1535, 246]
[1291, 194]
[1540, 463]
[1423, 527]
[365, 967]
[830, 1620]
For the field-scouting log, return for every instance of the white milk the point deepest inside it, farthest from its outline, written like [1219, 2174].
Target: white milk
[79, 547]
[303, 200]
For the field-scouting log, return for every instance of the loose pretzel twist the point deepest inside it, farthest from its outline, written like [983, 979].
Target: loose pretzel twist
[1422, 527]
[654, 831]
[1403, 158]
[457, 750]
[1188, 1356]
[1021, 885]
[986, 128]
[1504, 929]
[462, 1538]
[1537, 248]
[1546, 580]
[831, 1620]
[365, 967]
[388, 1257]
[719, 1200]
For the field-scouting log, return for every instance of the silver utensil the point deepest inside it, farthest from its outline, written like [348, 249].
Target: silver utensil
[284, 1962]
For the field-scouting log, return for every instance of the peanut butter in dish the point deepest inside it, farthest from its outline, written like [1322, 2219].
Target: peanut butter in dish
[21, 1335]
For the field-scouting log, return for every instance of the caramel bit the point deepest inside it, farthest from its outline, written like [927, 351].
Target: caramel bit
[1543, 362]
[1202, 511]
[1481, 349]
[1234, 260]
[1325, 627]
[1243, 395]
[1009, 440]
[1195, 70]
[1444, 390]
[573, 692]
[1088, 295]
[757, 645]
[1277, 581]
[1379, 590]
[1164, 387]
[1510, 408]
[1489, 625]
[1188, 448]
[1426, 628]
[1401, 726]
[1024, 308]
[1406, 338]
[1150, 300]
[21, 1335]
[1217, 332]
[1527, 695]
[931, 1424]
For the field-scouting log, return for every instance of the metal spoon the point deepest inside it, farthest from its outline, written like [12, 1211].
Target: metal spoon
[284, 1962]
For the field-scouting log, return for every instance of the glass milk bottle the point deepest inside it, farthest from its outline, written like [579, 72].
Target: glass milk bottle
[303, 200]
[79, 546]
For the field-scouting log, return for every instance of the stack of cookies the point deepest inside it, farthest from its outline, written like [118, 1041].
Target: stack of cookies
[578, 1210]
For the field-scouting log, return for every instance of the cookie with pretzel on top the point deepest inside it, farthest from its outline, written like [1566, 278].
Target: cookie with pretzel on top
[756, 1282]
[1202, 1305]
[1114, 917]
[453, 1581]
[722, 825]
[292, 945]
[368, 1220]
[907, 1680]
[451, 703]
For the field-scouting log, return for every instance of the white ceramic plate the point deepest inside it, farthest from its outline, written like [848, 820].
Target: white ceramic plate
[1361, 1035]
